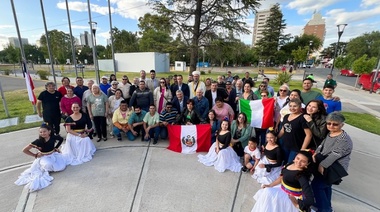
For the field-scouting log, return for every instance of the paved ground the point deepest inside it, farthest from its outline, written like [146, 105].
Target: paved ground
[137, 176]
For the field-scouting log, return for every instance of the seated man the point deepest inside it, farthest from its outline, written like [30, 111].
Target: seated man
[120, 120]
[152, 124]
[135, 124]
[167, 116]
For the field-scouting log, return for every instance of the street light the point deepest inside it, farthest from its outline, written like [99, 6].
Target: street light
[340, 32]
[307, 58]
[94, 26]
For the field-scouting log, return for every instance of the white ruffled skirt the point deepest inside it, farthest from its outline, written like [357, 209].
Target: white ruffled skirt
[225, 159]
[264, 177]
[78, 150]
[37, 176]
[273, 199]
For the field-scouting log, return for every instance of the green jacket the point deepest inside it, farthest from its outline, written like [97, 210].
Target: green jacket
[245, 133]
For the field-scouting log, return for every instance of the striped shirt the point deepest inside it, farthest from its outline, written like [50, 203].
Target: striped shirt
[169, 117]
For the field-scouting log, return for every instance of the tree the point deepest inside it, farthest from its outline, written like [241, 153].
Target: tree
[363, 65]
[368, 43]
[303, 41]
[299, 55]
[125, 41]
[60, 45]
[272, 33]
[195, 19]
[12, 55]
[344, 62]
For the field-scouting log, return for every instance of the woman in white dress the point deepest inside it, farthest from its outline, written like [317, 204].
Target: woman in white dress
[47, 158]
[78, 147]
[269, 167]
[291, 192]
[221, 155]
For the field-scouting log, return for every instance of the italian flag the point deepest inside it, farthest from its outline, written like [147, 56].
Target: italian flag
[259, 112]
[189, 139]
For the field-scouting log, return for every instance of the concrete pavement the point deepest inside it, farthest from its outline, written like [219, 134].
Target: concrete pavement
[138, 176]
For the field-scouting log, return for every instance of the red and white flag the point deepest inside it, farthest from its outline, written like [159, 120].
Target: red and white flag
[189, 139]
[259, 112]
[29, 86]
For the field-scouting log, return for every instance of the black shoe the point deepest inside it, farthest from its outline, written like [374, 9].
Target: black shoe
[104, 139]
[119, 138]
[154, 142]
[99, 139]
[244, 169]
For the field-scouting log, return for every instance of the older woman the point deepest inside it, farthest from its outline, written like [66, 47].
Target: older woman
[241, 131]
[221, 155]
[97, 105]
[189, 116]
[78, 148]
[294, 94]
[162, 95]
[291, 192]
[316, 120]
[67, 101]
[114, 103]
[280, 101]
[336, 147]
[47, 158]
[65, 85]
[214, 123]
[112, 90]
[223, 109]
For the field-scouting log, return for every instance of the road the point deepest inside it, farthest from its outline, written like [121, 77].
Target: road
[322, 73]
[15, 83]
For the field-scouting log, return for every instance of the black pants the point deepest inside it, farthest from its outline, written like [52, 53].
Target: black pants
[101, 126]
[53, 121]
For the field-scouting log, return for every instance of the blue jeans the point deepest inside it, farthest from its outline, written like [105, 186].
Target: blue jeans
[140, 131]
[289, 155]
[154, 133]
[163, 132]
[322, 193]
[118, 132]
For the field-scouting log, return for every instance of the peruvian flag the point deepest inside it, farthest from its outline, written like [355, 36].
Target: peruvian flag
[29, 85]
[189, 139]
[259, 112]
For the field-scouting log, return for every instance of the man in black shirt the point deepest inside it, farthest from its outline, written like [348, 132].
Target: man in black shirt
[50, 100]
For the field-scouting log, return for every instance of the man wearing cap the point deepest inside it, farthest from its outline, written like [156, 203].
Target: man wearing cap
[195, 84]
[152, 83]
[104, 85]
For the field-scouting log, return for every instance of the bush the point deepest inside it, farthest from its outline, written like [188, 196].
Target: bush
[7, 72]
[203, 73]
[43, 74]
[209, 71]
[283, 77]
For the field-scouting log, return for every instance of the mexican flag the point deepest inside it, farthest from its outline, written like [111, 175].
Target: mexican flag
[189, 139]
[259, 112]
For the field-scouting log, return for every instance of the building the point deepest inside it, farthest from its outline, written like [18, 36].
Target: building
[85, 39]
[14, 41]
[316, 26]
[259, 25]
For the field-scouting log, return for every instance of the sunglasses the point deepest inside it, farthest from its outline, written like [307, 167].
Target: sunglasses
[283, 90]
[162, 82]
[125, 79]
[332, 124]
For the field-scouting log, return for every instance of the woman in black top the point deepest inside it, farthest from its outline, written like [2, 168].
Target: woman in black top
[47, 158]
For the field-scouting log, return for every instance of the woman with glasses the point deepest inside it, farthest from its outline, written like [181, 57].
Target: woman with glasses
[162, 95]
[337, 146]
[240, 131]
[262, 87]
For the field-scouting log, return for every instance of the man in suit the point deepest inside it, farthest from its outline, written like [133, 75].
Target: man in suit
[152, 83]
[181, 86]
[215, 92]
[179, 101]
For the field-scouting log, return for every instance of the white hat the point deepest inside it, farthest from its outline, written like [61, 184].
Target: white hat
[104, 77]
[196, 73]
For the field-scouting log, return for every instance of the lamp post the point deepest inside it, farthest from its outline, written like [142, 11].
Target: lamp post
[340, 32]
[307, 58]
[93, 26]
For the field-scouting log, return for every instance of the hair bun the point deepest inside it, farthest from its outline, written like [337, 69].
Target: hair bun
[226, 118]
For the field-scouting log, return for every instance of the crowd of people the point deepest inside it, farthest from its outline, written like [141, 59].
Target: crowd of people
[280, 158]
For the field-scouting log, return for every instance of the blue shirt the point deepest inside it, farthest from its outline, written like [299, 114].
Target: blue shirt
[201, 106]
[79, 91]
[331, 105]
[104, 87]
[136, 118]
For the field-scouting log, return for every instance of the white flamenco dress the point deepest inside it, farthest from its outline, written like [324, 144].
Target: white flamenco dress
[262, 176]
[37, 176]
[78, 150]
[225, 159]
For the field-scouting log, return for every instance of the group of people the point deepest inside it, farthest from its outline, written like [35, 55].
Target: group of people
[145, 107]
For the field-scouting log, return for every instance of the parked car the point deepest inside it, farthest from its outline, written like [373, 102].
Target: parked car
[80, 66]
[365, 81]
[347, 73]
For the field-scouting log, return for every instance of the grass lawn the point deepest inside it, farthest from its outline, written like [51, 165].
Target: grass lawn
[363, 121]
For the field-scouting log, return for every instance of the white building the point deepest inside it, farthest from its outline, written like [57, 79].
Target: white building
[14, 41]
[259, 25]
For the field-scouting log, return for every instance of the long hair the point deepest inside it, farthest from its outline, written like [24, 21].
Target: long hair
[321, 109]
[45, 126]
[244, 121]
[208, 119]
[294, 90]
[307, 171]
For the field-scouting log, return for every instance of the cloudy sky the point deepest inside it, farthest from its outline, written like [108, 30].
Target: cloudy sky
[361, 16]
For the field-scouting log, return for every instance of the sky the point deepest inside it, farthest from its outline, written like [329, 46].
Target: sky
[362, 16]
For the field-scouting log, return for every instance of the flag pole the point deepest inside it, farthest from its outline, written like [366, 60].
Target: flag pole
[4, 101]
[23, 58]
[111, 34]
[48, 42]
[71, 39]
